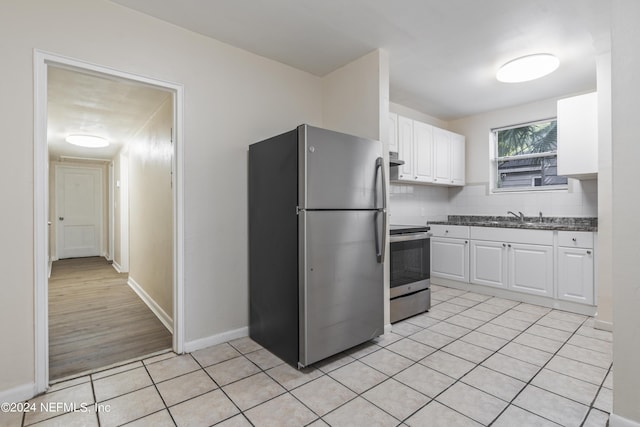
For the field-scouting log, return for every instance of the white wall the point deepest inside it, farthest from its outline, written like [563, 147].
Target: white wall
[353, 96]
[151, 208]
[476, 199]
[604, 317]
[232, 98]
[581, 200]
[417, 115]
[417, 204]
[355, 100]
[625, 95]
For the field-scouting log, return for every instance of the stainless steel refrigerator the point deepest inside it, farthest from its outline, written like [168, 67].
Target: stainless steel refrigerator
[317, 221]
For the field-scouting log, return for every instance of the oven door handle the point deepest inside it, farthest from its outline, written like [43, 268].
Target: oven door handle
[408, 237]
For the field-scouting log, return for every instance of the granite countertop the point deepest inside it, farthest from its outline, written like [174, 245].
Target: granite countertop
[532, 223]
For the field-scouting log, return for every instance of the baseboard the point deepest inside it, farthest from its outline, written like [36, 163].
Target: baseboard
[18, 394]
[166, 320]
[618, 421]
[601, 324]
[573, 307]
[49, 269]
[116, 266]
[216, 339]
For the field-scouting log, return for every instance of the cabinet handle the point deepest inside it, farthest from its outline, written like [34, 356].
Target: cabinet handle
[466, 241]
[509, 245]
[446, 231]
[574, 239]
[504, 245]
[435, 179]
[416, 177]
[588, 252]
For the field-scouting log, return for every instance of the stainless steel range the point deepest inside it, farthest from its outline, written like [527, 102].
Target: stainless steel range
[410, 271]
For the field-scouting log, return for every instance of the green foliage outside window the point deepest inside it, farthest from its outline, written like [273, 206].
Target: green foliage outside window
[530, 139]
[526, 156]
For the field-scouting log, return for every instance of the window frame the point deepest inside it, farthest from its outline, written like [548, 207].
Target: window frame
[495, 160]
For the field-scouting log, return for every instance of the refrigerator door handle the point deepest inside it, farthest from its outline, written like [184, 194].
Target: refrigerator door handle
[381, 251]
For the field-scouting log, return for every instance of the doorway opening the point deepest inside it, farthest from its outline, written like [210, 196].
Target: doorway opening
[108, 221]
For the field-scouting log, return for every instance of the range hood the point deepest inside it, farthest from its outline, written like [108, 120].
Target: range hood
[394, 160]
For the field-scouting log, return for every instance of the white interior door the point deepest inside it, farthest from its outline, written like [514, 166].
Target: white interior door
[78, 211]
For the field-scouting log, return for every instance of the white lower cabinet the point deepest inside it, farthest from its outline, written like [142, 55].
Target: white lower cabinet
[575, 267]
[545, 263]
[514, 266]
[488, 263]
[531, 269]
[450, 258]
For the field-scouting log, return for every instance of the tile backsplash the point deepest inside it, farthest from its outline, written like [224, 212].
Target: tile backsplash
[416, 204]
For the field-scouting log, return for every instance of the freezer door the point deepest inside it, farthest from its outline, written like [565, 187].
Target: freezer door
[341, 283]
[338, 171]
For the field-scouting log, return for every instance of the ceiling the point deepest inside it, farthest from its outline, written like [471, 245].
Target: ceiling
[443, 53]
[99, 105]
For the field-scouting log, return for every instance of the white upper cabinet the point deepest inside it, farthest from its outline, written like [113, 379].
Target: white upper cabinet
[442, 157]
[458, 159]
[578, 136]
[405, 149]
[423, 146]
[393, 132]
[431, 155]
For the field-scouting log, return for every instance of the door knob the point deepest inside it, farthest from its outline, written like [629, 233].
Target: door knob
[61, 218]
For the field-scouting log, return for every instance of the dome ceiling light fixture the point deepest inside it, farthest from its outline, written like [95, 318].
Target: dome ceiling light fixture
[526, 68]
[88, 141]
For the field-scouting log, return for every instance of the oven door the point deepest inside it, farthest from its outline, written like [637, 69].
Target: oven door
[409, 259]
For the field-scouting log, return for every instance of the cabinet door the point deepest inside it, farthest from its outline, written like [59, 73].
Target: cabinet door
[423, 146]
[488, 264]
[457, 159]
[393, 132]
[405, 148]
[450, 258]
[442, 156]
[575, 275]
[531, 269]
[578, 136]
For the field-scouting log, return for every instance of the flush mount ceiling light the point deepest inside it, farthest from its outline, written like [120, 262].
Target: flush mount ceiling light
[527, 68]
[88, 141]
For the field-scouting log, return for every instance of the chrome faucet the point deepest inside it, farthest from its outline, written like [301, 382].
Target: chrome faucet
[518, 215]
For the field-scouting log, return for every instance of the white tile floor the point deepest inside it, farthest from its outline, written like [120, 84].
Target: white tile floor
[472, 360]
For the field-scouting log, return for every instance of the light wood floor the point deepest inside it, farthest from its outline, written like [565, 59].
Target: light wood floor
[95, 318]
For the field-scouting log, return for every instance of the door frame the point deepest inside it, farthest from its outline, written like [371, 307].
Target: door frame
[42, 60]
[56, 224]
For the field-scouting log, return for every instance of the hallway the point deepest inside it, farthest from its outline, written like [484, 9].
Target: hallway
[96, 319]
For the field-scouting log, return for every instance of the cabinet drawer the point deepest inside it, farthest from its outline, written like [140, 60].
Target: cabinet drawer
[513, 235]
[454, 231]
[575, 239]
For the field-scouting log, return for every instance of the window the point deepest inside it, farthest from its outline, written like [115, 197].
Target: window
[525, 157]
